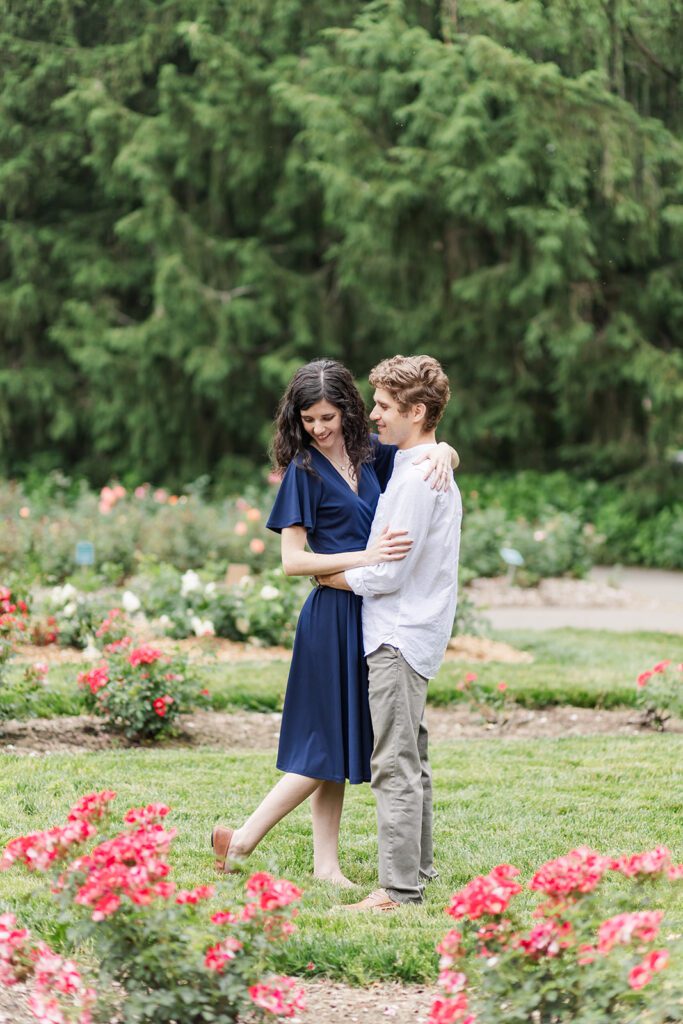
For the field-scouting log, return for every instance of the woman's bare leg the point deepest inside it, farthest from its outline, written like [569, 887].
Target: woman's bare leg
[288, 793]
[327, 803]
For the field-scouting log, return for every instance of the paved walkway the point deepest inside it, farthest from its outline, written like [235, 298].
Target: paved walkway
[655, 604]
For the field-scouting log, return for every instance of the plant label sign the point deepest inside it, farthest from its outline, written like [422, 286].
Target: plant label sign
[85, 553]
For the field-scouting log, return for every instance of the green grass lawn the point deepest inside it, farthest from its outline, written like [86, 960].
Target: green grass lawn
[580, 667]
[517, 801]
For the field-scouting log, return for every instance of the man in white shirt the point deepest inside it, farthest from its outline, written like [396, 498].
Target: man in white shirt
[408, 612]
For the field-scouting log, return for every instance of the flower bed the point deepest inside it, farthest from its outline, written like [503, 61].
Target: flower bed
[579, 962]
[153, 943]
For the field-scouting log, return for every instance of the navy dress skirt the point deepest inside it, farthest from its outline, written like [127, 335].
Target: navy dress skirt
[326, 731]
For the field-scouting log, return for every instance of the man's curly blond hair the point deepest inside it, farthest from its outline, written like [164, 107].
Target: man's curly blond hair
[413, 379]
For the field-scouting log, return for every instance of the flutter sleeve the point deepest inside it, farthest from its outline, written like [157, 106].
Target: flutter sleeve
[382, 460]
[297, 500]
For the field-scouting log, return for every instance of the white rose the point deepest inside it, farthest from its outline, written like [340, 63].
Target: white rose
[269, 593]
[69, 610]
[130, 601]
[189, 581]
[68, 591]
[202, 627]
[164, 621]
[210, 589]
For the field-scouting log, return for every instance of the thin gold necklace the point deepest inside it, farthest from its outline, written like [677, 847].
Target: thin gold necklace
[340, 465]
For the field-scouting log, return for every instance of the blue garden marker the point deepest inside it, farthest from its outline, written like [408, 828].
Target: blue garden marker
[513, 559]
[85, 553]
[511, 556]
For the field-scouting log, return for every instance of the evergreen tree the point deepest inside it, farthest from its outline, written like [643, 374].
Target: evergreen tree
[196, 196]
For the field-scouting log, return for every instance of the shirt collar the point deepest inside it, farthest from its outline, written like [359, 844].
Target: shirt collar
[416, 449]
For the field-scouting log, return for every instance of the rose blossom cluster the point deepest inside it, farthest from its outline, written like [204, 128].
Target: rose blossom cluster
[547, 938]
[452, 1008]
[659, 694]
[144, 655]
[580, 871]
[112, 631]
[559, 935]
[12, 621]
[486, 894]
[650, 862]
[131, 867]
[109, 497]
[653, 962]
[623, 928]
[14, 950]
[38, 851]
[266, 895]
[162, 704]
[280, 996]
[96, 679]
[59, 994]
[661, 666]
[11, 612]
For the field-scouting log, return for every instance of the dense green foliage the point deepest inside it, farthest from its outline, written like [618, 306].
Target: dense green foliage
[198, 195]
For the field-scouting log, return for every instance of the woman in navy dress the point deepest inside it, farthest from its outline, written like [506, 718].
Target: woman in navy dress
[334, 473]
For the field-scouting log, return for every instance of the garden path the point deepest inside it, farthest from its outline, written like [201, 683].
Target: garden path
[614, 598]
[328, 1003]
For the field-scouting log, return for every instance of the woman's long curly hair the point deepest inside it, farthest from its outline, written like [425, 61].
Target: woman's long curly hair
[322, 380]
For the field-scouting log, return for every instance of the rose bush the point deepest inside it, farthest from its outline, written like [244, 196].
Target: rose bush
[660, 694]
[140, 690]
[268, 605]
[492, 704]
[149, 938]
[13, 619]
[588, 956]
[185, 604]
[71, 614]
[552, 545]
[261, 609]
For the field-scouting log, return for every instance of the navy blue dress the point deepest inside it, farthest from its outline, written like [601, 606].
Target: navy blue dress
[326, 731]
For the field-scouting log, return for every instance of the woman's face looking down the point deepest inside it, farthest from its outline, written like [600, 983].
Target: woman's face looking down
[323, 423]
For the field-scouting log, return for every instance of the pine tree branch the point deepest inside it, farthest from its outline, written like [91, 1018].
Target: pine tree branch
[647, 52]
[449, 20]
[226, 296]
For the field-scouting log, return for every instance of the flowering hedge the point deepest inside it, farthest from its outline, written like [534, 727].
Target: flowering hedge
[580, 962]
[150, 938]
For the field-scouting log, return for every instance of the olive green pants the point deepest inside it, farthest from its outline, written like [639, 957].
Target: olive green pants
[401, 775]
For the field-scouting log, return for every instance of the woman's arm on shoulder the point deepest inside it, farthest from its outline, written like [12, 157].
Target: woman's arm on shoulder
[391, 546]
[442, 458]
